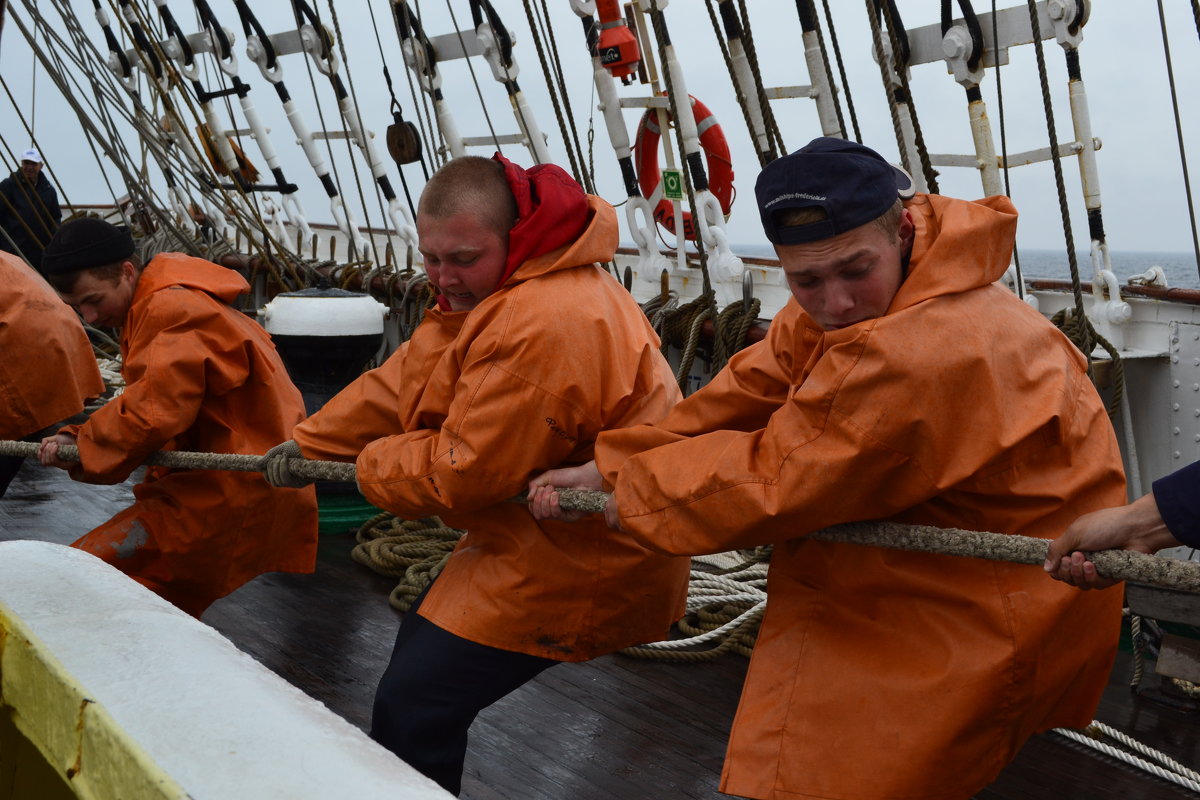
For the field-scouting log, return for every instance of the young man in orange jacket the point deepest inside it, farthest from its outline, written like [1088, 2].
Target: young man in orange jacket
[902, 384]
[200, 376]
[532, 351]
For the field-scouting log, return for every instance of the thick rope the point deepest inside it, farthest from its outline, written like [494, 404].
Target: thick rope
[1124, 565]
[179, 459]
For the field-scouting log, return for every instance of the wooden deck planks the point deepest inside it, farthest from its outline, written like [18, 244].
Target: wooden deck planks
[611, 729]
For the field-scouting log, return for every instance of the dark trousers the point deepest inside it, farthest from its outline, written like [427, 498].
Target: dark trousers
[9, 467]
[432, 690]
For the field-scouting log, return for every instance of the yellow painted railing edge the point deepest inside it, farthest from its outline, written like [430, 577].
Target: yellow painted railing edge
[74, 733]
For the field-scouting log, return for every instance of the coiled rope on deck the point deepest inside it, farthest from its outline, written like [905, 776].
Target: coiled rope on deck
[723, 613]
[1125, 565]
[412, 550]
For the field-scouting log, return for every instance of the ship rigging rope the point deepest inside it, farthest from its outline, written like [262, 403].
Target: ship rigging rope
[54, 54]
[430, 131]
[771, 130]
[474, 79]
[111, 141]
[1082, 333]
[837, 54]
[150, 139]
[899, 66]
[837, 106]
[1020, 281]
[1117, 564]
[379, 198]
[557, 89]
[659, 22]
[28, 126]
[1187, 184]
[249, 200]
[300, 10]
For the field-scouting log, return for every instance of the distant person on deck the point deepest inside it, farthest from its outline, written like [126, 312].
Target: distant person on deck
[48, 371]
[1167, 516]
[201, 376]
[903, 384]
[533, 349]
[29, 212]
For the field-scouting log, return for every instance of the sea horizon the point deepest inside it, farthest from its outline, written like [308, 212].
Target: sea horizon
[1179, 266]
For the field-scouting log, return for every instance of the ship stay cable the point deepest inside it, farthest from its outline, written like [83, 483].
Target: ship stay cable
[301, 11]
[409, 27]
[837, 54]
[474, 79]
[770, 153]
[1078, 328]
[239, 200]
[164, 75]
[1020, 281]
[571, 134]
[29, 194]
[112, 143]
[566, 122]
[380, 197]
[1187, 184]
[1164, 572]
[395, 109]
[837, 105]
[902, 93]
[763, 158]
[56, 72]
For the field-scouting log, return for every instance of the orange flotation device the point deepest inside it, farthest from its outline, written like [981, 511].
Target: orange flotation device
[716, 157]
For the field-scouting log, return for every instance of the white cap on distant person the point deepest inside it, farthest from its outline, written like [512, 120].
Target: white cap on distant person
[32, 155]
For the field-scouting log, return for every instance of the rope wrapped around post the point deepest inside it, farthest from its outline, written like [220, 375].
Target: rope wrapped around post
[1124, 565]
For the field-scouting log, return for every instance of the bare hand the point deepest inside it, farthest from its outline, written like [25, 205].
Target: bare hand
[1137, 526]
[543, 497]
[48, 451]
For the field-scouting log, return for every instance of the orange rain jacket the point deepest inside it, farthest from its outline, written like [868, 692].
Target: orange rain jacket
[200, 376]
[47, 371]
[881, 673]
[459, 419]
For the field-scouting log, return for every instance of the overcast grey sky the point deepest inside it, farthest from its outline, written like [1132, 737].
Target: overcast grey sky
[1123, 69]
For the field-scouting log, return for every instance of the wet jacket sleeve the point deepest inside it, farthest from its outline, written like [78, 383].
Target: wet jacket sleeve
[872, 430]
[1178, 498]
[359, 414]
[509, 418]
[178, 349]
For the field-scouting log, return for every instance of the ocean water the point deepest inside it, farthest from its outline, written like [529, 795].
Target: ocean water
[1180, 268]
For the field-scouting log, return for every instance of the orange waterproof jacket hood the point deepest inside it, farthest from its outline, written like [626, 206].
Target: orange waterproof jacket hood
[459, 419]
[200, 376]
[48, 371]
[961, 407]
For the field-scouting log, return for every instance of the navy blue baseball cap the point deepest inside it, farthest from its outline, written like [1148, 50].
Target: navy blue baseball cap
[851, 182]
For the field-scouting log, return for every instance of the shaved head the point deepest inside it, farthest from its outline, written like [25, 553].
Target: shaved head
[471, 185]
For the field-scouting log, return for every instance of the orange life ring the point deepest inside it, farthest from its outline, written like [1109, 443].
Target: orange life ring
[716, 158]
